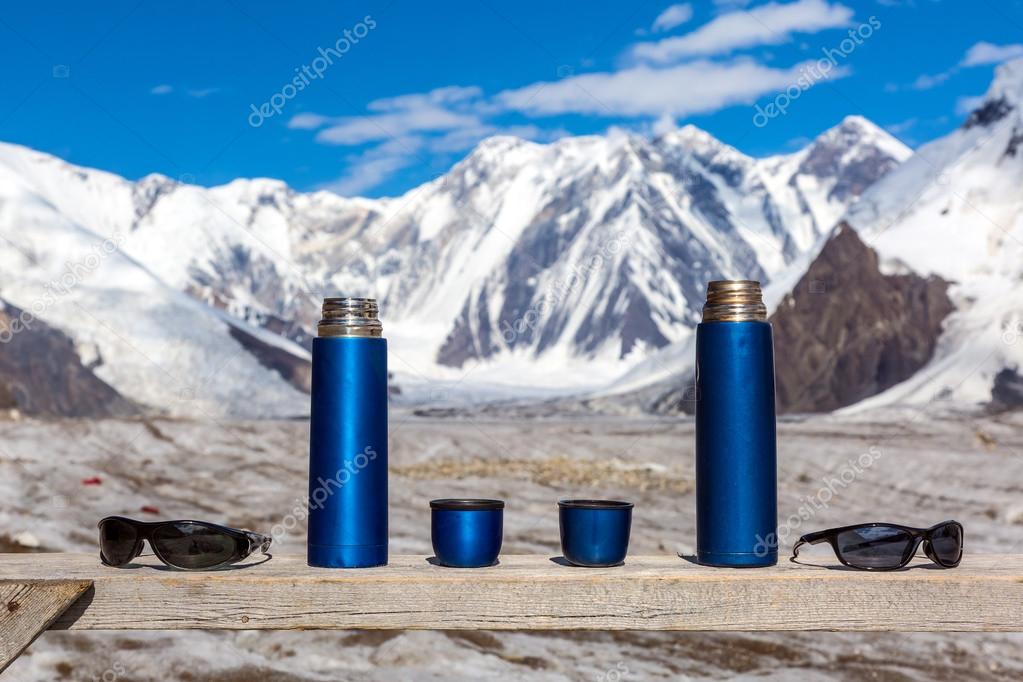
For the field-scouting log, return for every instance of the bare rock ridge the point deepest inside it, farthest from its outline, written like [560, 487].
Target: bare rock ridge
[847, 331]
[1007, 392]
[41, 373]
[297, 371]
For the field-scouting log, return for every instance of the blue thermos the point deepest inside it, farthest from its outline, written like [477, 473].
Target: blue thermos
[736, 470]
[348, 438]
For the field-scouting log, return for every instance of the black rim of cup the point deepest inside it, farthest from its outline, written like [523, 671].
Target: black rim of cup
[594, 504]
[464, 504]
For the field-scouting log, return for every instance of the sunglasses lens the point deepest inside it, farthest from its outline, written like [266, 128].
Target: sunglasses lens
[192, 545]
[947, 544]
[875, 546]
[117, 541]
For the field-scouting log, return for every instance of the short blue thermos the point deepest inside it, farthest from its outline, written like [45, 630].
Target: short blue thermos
[348, 438]
[736, 469]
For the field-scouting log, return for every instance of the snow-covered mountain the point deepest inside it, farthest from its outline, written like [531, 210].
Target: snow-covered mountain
[526, 264]
[936, 299]
[600, 248]
[66, 260]
[956, 210]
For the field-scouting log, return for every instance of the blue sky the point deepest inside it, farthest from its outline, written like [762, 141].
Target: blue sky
[374, 98]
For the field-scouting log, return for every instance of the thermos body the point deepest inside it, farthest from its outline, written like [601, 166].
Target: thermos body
[736, 458]
[348, 453]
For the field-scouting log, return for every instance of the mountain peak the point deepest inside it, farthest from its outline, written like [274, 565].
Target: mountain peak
[856, 131]
[691, 136]
[499, 144]
[857, 122]
[1008, 82]
[159, 179]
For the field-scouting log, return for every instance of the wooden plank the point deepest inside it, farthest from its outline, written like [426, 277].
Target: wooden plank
[534, 593]
[29, 607]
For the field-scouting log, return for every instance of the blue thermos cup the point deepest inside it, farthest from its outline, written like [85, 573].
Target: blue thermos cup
[736, 469]
[348, 438]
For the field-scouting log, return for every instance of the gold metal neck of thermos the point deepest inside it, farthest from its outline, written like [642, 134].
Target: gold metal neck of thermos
[349, 317]
[734, 300]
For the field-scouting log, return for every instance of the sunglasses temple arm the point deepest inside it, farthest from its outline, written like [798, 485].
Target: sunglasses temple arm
[809, 539]
[259, 541]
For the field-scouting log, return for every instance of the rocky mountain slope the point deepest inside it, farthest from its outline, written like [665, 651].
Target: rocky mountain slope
[946, 223]
[847, 332]
[65, 261]
[612, 252]
[955, 210]
[527, 265]
[42, 374]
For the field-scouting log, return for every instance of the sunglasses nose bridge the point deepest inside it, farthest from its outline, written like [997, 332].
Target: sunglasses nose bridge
[917, 542]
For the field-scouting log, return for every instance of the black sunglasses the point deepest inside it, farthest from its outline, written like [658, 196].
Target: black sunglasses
[889, 546]
[188, 545]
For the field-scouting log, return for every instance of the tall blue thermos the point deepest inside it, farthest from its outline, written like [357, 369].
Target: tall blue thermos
[348, 438]
[736, 471]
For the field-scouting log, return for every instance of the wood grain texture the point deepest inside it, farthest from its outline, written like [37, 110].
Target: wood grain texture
[27, 608]
[527, 592]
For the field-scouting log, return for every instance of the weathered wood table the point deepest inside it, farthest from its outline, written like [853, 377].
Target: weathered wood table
[524, 592]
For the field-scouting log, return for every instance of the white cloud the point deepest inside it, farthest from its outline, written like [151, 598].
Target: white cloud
[396, 117]
[989, 53]
[980, 54]
[358, 129]
[664, 124]
[694, 87]
[770, 24]
[673, 16]
[965, 105]
[451, 94]
[365, 172]
[371, 167]
[165, 89]
[397, 132]
[928, 81]
[308, 121]
[407, 130]
[902, 126]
